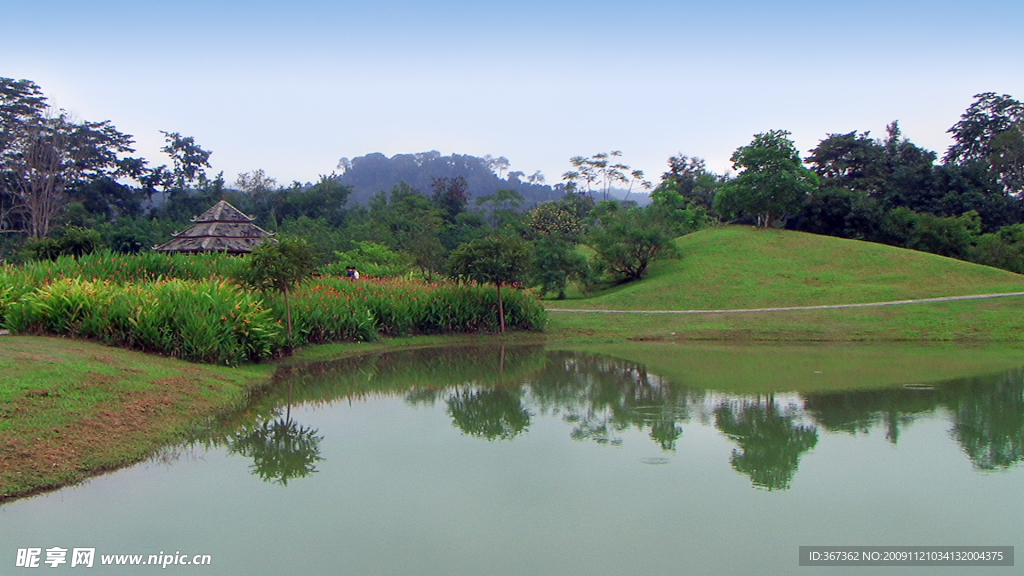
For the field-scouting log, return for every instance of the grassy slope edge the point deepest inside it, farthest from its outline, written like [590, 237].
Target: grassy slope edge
[72, 409]
[734, 267]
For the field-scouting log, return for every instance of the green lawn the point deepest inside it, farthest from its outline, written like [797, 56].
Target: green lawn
[743, 267]
[735, 267]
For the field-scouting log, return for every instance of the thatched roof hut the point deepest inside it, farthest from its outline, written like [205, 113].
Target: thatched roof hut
[222, 228]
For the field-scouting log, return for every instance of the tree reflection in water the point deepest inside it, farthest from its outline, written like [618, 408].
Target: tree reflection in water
[490, 414]
[771, 440]
[281, 450]
[602, 396]
[987, 414]
[989, 421]
[495, 393]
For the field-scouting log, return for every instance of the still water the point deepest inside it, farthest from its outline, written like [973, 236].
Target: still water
[524, 461]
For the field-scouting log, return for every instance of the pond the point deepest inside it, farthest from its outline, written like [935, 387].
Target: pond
[524, 460]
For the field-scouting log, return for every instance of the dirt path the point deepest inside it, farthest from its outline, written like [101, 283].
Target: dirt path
[797, 308]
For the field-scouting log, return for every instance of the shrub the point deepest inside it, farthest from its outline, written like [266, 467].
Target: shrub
[372, 259]
[73, 241]
[626, 242]
[210, 321]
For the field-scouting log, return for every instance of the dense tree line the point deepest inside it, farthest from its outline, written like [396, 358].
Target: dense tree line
[100, 197]
[72, 187]
[886, 190]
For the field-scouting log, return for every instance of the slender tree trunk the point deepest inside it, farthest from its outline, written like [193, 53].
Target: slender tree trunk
[501, 367]
[501, 309]
[288, 317]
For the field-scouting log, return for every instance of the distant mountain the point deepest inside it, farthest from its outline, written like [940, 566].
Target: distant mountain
[370, 174]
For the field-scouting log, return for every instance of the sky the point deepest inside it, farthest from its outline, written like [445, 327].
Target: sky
[292, 87]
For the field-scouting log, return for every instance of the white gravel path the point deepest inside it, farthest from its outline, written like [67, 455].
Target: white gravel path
[797, 308]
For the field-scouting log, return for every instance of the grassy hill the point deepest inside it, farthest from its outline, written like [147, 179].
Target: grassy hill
[741, 267]
[744, 267]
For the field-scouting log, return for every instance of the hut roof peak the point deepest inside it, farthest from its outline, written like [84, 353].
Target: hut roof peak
[222, 211]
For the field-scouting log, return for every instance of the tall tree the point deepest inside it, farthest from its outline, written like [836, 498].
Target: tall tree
[450, 195]
[325, 199]
[689, 179]
[491, 260]
[256, 182]
[20, 101]
[910, 173]
[772, 182]
[44, 152]
[37, 169]
[991, 131]
[498, 165]
[987, 117]
[188, 158]
[258, 195]
[502, 205]
[850, 161]
[1006, 158]
[280, 266]
[601, 172]
[406, 221]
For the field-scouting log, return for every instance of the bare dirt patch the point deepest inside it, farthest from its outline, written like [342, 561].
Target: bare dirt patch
[24, 355]
[104, 359]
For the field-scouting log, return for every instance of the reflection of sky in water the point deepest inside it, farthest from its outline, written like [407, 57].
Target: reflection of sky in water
[400, 490]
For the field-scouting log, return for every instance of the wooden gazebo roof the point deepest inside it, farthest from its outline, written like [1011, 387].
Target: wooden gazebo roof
[222, 228]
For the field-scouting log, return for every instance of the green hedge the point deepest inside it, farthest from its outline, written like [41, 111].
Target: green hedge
[121, 268]
[210, 321]
[183, 307]
[334, 308]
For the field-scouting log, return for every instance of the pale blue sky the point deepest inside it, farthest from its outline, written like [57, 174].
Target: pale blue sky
[292, 87]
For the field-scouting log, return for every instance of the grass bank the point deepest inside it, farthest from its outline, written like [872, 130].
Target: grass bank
[72, 409]
[736, 267]
[744, 267]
